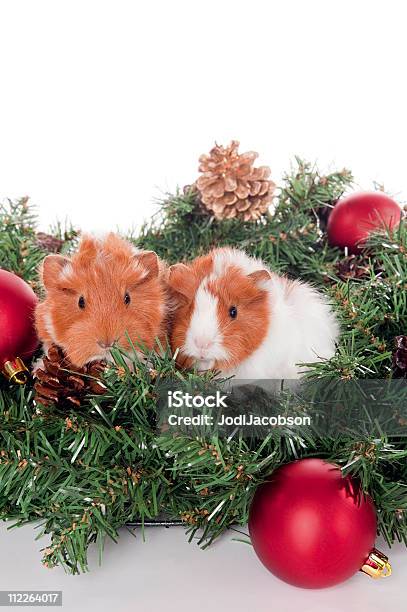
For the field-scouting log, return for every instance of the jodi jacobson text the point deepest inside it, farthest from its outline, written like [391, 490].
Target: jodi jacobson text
[239, 420]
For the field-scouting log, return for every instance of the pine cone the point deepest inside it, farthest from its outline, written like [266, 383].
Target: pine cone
[230, 187]
[59, 382]
[357, 267]
[400, 357]
[352, 267]
[49, 243]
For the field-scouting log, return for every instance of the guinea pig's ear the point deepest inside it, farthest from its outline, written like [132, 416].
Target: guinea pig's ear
[182, 281]
[148, 260]
[259, 276]
[87, 250]
[51, 270]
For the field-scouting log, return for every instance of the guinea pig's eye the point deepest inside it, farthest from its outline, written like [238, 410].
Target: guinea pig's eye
[127, 299]
[233, 312]
[81, 302]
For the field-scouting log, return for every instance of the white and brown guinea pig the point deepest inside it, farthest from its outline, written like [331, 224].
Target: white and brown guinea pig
[236, 316]
[106, 290]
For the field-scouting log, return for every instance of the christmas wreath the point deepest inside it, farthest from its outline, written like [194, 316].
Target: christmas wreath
[79, 449]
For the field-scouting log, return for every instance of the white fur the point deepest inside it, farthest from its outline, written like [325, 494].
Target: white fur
[224, 258]
[302, 329]
[203, 341]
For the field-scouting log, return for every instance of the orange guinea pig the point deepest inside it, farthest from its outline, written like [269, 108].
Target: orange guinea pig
[107, 290]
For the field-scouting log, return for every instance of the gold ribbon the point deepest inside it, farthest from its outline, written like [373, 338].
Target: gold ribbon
[377, 565]
[15, 371]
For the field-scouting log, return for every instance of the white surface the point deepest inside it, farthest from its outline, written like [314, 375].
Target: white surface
[106, 104]
[166, 574]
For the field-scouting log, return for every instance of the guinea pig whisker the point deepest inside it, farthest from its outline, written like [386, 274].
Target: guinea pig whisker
[227, 325]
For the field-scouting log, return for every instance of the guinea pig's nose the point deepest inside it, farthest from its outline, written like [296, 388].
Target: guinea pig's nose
[202, 343]
[105, 344]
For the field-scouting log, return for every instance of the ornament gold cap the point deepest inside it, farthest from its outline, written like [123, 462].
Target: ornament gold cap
[16, 371]
[377, 565]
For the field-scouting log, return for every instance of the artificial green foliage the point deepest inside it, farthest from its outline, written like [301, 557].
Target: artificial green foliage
[85, 473]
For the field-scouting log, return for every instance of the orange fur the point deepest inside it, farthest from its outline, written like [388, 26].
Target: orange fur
[102, 271]
[243, 335]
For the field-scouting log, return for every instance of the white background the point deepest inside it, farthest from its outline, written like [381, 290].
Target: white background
[105, 105]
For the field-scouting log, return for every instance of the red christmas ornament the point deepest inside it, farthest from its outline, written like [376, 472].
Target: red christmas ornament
[313, 528]
[355, 217]
[18, 339]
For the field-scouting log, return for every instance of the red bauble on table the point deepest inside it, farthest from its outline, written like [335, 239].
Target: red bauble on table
[312, 527]
[18, 339]
[355, 217]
